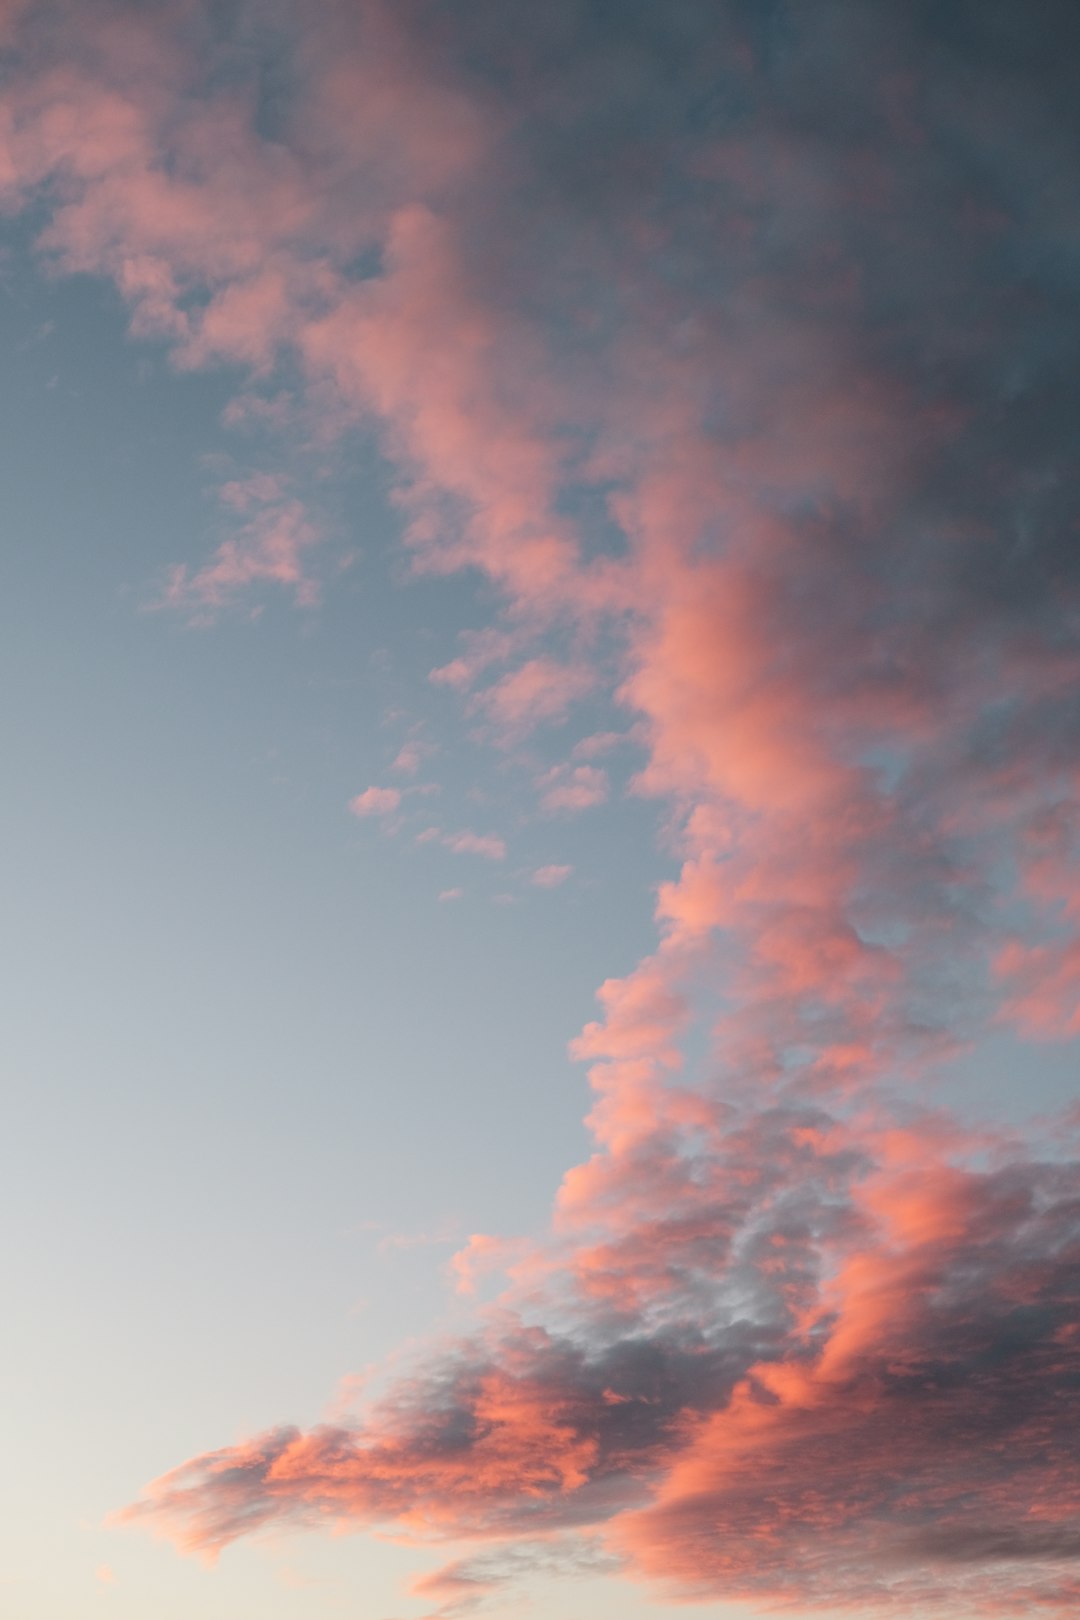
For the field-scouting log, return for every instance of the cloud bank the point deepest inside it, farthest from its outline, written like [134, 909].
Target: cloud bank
[735, 346]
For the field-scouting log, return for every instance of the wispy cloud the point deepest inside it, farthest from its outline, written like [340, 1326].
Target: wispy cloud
[537, 691]
[550, 877]
[269, 547]
[488, 845]
[569, 788]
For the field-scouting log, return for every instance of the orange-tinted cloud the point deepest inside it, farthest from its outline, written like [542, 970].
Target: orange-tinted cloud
[739, 362]
[884, 1419]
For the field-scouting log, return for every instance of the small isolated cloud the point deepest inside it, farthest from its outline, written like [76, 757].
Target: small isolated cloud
[410, 757]
[573, 787]
[540, 690]
[269, 546]
[600, 742]
[451, 894]
[375, 801]
[549, 877]
[482, 647]
[491, 847]
[105, 1574]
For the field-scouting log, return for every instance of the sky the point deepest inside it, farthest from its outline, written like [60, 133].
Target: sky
[541, 624]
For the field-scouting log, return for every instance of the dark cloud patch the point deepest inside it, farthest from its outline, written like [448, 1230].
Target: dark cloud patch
[926, 1424]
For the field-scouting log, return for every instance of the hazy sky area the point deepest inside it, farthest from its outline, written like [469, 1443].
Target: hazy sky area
[541, 893]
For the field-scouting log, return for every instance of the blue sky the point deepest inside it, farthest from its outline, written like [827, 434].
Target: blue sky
[260, 1080]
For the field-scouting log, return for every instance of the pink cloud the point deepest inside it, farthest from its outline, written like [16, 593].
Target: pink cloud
[1043, 984]
[270, 547]
[375, 801]
[488, 845]
[482, 1255]
[260, 489]
[538, 691]
[409, 758]
[10, 12]
[453, 1586]
[865, 1452]
[598, 744]
[826, 1417]
[451, 894]
[573, 787]
[550, 877]
[789, 1357]
[481, 649]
